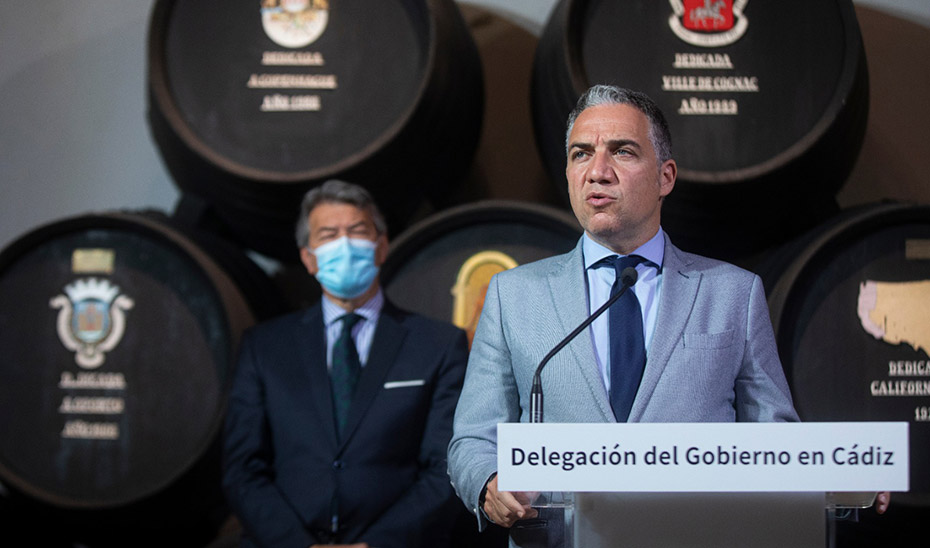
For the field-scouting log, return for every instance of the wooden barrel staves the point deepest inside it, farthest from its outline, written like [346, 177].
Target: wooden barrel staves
[254, 102]
[118, 336]
[850, 305]
[767, 104]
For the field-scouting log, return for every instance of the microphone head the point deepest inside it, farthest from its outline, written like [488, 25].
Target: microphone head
[629, 276]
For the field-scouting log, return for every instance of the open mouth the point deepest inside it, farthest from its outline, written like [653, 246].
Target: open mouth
[598, 199]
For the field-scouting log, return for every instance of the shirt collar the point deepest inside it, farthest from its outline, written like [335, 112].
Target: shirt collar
[653, 250]
[370, 310]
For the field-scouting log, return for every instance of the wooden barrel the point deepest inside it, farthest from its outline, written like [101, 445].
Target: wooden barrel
[252, 103]
[119, 333]
[767, 104]
[440, 267]
[850, 304]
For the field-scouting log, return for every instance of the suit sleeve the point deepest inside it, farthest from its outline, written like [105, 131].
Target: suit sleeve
[762, 393]
[427, 507]
[248, 479]
[489, 397]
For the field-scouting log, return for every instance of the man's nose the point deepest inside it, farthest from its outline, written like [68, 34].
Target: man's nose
[599, 171]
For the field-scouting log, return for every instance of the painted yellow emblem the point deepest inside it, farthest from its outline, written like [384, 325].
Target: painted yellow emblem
[471, 285]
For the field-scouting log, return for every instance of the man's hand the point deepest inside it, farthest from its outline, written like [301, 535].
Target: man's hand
[504, 507]
[882, 500]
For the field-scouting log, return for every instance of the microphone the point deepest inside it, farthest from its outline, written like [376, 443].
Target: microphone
[628, 277]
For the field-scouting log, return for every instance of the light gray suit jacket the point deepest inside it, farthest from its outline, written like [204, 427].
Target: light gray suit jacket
[712, 357]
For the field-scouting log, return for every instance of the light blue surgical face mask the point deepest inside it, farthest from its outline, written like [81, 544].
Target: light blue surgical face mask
[346, 266]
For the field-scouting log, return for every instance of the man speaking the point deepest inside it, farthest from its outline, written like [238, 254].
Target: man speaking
[691, 341]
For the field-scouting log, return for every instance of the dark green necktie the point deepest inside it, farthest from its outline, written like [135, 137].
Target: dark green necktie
[345, 371]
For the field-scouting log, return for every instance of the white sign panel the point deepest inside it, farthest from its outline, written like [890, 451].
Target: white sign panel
[703, 457]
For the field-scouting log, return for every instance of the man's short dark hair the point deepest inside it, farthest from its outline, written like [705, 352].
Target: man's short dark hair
[602, 94]
[336, 192]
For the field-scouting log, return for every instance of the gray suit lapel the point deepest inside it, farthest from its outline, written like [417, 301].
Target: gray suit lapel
[679, 290]
[566, 293]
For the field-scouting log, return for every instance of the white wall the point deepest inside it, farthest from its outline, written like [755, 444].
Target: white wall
[73, 133]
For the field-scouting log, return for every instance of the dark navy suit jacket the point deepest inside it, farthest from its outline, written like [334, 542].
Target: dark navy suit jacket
[286, 475]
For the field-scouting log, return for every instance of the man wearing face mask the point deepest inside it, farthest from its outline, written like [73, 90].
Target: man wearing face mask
[339, 415]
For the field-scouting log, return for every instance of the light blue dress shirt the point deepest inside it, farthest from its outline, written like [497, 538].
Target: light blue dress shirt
[601, 279]
[362, 333]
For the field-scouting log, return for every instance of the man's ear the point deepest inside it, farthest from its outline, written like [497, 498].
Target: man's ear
[668, 173]
[309, 260]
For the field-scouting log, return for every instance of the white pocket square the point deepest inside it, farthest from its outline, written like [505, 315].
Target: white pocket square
[403, 384]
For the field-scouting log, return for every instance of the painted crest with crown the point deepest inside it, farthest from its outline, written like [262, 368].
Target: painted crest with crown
[91, 319]
[708, 23]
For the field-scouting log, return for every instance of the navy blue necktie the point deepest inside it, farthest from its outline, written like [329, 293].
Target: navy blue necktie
[627, 346]
[345, 371]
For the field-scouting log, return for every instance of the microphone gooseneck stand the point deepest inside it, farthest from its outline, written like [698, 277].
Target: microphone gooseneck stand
[628, 277]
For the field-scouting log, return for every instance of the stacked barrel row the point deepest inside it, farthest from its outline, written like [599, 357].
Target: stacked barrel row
[251, 103]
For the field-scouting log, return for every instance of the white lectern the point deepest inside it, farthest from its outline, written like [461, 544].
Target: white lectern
[697, 485]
